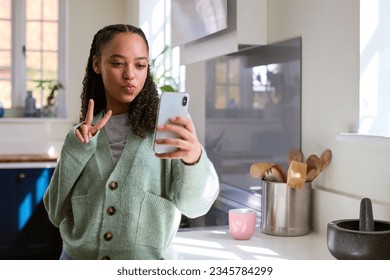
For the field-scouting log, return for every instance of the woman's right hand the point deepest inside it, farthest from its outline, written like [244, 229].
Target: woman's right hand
[86, 130]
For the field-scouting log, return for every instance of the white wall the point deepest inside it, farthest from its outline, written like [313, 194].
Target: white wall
[32, 136]
[330, 105]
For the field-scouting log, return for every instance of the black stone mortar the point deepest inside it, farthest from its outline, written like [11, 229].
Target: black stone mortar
[363, 239]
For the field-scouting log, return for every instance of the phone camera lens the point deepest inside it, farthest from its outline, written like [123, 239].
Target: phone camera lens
[184, 102]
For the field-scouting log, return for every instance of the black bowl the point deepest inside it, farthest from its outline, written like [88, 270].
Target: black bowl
[346, 242]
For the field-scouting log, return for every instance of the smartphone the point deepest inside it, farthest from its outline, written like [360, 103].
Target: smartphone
[172, 104]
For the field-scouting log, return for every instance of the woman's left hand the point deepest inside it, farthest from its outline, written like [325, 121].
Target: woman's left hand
[189, 147]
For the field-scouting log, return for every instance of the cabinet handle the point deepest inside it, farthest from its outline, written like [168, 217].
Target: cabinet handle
[21, 177]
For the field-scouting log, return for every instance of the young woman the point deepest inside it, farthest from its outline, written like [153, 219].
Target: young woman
[111, 196]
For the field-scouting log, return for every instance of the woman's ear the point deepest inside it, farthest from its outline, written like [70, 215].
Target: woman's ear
[96, 65]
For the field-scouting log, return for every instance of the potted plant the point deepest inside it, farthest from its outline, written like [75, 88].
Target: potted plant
[50, 109]
[164, 81]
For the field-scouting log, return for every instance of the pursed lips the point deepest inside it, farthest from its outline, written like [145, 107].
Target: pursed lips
[129, 87]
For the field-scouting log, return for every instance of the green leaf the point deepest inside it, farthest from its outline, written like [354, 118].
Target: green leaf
[167, 88]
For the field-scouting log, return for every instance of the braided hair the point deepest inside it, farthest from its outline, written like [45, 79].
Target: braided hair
[143, 109]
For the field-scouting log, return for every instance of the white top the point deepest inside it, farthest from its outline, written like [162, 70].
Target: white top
[215, 243]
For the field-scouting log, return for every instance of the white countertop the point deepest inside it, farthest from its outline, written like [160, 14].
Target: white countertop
[27, 165]
[215, 243]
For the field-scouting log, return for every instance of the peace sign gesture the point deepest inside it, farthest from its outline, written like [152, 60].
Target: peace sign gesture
[86, 130]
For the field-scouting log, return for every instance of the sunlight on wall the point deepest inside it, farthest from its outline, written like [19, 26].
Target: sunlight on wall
[369, 95]
[374, 67]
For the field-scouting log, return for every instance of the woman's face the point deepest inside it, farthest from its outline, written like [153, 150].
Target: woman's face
[123, 65]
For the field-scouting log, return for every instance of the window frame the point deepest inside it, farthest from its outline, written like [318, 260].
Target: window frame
[18, 61]
[369, 25]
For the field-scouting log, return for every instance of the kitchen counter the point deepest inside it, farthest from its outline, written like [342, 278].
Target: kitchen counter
[27, 158]
[215, 243]
[10, 161]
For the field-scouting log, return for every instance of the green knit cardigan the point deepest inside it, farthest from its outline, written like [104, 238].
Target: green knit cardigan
[130, 210]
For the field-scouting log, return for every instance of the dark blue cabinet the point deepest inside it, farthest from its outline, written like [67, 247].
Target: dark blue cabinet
[25, 230]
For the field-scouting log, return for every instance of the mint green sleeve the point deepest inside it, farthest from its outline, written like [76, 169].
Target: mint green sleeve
[73, 158]
[195, 187]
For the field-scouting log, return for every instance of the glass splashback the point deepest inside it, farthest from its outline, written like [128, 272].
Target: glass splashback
[253, 109]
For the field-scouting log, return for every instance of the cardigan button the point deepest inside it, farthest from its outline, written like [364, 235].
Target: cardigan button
[106, 258]
[111, 211]
[113, 185]
[108, 236]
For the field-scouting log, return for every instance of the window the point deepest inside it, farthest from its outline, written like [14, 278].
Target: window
[5, 53]
[31, 49]
[165, 59]
[374, 67]
[227, 83]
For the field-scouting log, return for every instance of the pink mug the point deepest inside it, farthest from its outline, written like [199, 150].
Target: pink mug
[242, 223]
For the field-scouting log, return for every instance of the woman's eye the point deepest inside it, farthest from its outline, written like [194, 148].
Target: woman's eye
[117, 64]
[141, 66]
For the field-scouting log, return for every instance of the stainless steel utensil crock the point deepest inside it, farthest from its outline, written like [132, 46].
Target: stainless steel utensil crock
[285, 211]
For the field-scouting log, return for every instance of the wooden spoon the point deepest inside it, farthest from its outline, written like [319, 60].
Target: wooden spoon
[311, 175]
[258, 169]
[313, 167]
[325, 158]
[294, 154]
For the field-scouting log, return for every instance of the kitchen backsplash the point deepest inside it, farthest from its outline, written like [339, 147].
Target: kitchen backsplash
[35, 135]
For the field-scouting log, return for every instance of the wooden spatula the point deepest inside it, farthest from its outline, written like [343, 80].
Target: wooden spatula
[274, 175]
[296, 174]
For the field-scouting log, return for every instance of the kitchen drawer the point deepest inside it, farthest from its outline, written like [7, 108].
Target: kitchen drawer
[25, 231]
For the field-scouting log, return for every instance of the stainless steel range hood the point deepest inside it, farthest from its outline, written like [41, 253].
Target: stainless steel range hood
[246, 26]
[193, 20]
